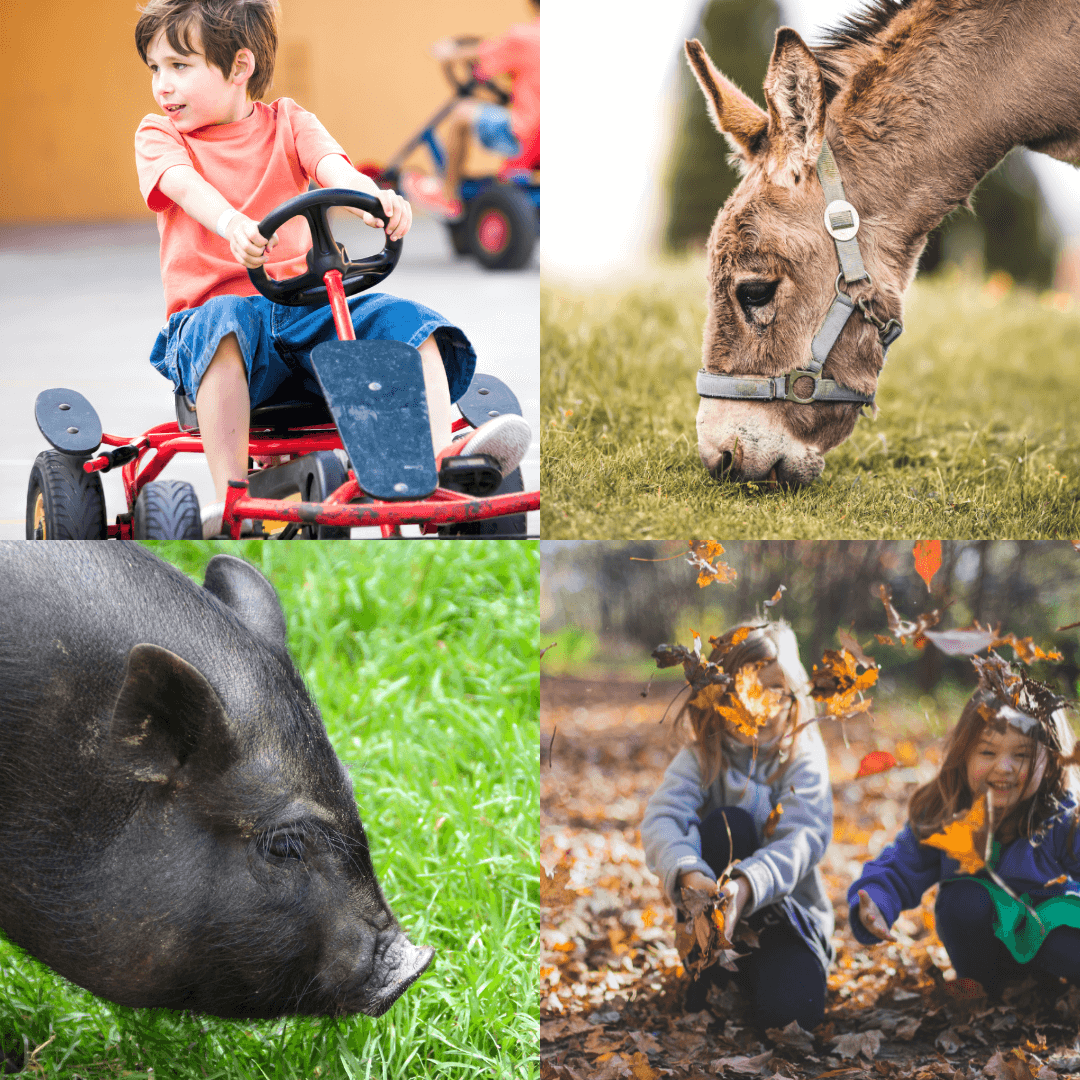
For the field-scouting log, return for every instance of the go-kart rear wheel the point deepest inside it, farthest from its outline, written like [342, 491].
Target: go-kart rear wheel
[63, 502]
[502, 227]
[513, 525]
[167, 510]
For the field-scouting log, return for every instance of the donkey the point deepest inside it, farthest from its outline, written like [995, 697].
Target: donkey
[902, 112]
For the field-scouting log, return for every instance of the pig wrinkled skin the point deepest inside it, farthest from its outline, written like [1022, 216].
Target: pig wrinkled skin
[175, 828]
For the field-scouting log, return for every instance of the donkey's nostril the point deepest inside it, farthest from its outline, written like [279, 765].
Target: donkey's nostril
[727, 459]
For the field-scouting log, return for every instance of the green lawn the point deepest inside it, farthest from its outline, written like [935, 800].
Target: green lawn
[978, 433]
[423, 660]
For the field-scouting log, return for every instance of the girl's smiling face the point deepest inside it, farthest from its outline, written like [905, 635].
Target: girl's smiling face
[1000, 763]
[194, 93]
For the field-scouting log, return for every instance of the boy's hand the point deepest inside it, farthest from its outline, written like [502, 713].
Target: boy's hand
[246, 243]
[397, 215]
[871, 917]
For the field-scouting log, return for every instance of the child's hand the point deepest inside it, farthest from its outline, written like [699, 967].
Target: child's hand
[734, 895]
[246, 243]
[695, 879]
[397, 215]
[871, 917]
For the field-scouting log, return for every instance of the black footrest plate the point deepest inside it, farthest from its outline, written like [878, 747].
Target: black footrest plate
[68, 421]
[486, 398]
[474, 474]
[375, 390]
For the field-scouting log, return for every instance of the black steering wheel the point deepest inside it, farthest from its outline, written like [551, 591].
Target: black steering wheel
[308, 290]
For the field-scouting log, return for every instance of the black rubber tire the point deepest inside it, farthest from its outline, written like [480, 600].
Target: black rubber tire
[518, 215]
[459, 236]
[512, 526]
[336, 475]
[72, 502]
[167, 510]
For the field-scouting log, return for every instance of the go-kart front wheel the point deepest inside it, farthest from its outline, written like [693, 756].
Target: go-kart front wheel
[167, 510]
[63, 502]
[502, 227]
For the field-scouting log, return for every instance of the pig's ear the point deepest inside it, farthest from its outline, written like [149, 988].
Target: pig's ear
[249, 594]
[167, 711]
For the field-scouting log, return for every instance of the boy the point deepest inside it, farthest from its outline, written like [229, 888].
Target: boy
[226, 345]
[509, 132]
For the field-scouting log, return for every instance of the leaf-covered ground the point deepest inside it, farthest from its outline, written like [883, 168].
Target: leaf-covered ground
[610, 981]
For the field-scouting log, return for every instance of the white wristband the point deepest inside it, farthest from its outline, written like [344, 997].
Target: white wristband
[223, 222]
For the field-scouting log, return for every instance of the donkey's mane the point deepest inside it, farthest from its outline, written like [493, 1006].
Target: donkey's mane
[859, 28]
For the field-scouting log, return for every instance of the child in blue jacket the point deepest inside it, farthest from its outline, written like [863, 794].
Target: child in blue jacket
[1009, 743]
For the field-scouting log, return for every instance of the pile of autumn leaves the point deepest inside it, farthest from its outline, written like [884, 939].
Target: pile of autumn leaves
[840, 683]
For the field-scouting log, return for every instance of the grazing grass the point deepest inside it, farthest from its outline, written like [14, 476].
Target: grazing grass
[423, 660]
[978, 433]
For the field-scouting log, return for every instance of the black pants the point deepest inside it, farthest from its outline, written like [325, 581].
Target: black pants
[782, 979]
[964, 914]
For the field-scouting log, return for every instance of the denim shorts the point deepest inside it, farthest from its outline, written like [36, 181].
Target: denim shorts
[492, 127]
[276, 340]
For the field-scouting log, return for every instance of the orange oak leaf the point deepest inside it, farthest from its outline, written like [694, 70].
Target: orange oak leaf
[752, 705]
[772, 821]
[705, 556]
[877, 761]
[959, 838]
[927, 559]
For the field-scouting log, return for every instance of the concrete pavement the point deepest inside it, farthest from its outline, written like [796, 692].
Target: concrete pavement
[81, 305]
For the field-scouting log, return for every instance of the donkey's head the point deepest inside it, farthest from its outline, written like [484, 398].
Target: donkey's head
[773, 283]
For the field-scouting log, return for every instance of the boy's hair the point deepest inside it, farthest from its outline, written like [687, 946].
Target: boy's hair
[766, 641]
[225, 27]
[1005, 698]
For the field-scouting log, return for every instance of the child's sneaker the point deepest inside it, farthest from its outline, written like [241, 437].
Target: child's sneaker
[504, 439]
[427, 192]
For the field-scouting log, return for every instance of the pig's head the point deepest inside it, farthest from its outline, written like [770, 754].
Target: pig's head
[239, 882]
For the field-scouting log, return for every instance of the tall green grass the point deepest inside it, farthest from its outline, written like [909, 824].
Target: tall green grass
[978, 433]
[423, 660]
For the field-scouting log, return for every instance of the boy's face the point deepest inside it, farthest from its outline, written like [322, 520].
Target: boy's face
[191, 92]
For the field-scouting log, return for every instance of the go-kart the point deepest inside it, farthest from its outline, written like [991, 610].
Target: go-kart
[501, 222]
[358, 454]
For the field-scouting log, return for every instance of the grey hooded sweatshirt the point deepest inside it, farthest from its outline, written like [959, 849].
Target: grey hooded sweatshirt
[783, 870]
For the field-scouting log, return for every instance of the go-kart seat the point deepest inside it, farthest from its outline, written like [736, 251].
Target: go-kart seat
[282, 412]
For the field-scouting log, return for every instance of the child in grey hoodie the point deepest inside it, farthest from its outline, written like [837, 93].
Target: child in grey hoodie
[729, 781]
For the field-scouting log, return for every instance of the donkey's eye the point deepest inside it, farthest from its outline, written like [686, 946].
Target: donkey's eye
[284, 846]
[755, 293]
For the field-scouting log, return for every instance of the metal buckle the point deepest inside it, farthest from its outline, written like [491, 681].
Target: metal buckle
[841, 220]
[789, 386]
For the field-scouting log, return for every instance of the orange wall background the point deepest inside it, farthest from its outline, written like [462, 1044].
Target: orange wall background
[75, 90]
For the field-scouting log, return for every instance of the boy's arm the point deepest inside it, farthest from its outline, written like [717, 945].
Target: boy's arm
[335, 171]
[202, 201]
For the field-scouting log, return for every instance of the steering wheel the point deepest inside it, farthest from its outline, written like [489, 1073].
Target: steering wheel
[466, 85]
[308, 290]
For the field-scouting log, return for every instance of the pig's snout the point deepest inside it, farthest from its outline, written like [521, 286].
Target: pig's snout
[401, 965]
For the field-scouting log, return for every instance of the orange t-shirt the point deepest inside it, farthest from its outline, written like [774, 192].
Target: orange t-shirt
[517, 53]
[257, 163]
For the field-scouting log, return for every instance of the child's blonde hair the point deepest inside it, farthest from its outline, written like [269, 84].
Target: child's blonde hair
[225, 27]
[766, 641]
[1004, 697]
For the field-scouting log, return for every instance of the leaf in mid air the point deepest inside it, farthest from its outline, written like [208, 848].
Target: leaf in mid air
[838, 682]
[901, 629]
[772, 821]
[776, 597]
[960, 841]
[752, 705]
[927, 559]
[704, 555]
[877, 761]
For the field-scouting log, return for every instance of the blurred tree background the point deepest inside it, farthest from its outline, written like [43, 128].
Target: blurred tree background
[608, 612]
[1011, 229]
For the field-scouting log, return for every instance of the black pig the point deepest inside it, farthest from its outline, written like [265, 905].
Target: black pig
[175, 828]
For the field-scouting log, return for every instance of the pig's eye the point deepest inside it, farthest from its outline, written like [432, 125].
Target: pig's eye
[284, 846]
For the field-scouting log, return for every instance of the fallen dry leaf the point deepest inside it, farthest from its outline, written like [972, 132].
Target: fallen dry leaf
[1010, 1065]
[744, 1066]
[853, 1043]
[793, 1036]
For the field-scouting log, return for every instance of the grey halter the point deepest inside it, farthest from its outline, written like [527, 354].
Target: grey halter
[841, 223]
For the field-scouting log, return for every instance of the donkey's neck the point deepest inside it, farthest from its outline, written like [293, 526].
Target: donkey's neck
[934, 100]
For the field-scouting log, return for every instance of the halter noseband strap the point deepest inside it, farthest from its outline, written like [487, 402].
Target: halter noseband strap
[842, 224]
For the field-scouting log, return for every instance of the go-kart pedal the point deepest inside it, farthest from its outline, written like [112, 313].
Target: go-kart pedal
[375, 390]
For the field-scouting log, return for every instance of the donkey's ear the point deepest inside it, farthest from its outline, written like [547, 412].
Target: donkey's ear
[733, 113]
[796, 96]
